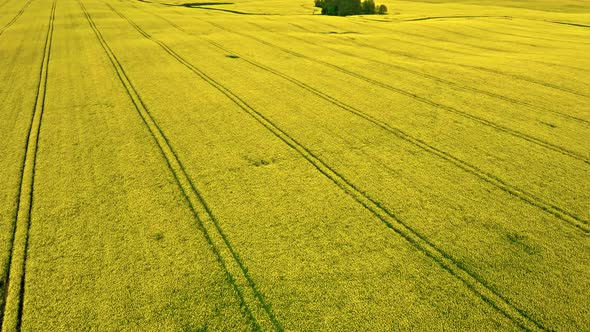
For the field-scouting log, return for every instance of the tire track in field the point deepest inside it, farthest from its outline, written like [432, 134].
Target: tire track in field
[516, 76]
[528, 198]
[471, 280]
[427, 18]
[449, 50]
[476, 46]
[528, 30]
[252, 299]
[494, 71]
[481, 16]
[478, 68]
[16, 17]
[436, 78]
[14, 288]
[219, 9]
[205, 6]
[501, 41]
[572, 24]
[579, 25]
[502, 33]
[568, 23]
[421, 99]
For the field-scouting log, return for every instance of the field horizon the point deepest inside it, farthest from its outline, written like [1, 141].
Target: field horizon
[250, 165]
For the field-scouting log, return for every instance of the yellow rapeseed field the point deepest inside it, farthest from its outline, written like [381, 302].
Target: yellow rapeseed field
[252, 165]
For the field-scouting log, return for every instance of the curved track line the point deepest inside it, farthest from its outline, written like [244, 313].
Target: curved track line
[449, 50]
[424, 100]
[505, 17]
[221, 10]
[515, 76]
[503, 33]
[427, 18]
[440, 80]
[16, 17]
[252, 299]
[495, 71]
[528, 198]
[479, 68]
[471, 280]
[12, 307]
[568, 23]
[503, 42]
[462, 43]
[529, 29]
[205, 6]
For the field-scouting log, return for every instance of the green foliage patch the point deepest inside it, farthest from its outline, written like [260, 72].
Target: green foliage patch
[350, 7]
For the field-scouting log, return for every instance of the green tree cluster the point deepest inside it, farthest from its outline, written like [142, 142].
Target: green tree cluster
[350, 7]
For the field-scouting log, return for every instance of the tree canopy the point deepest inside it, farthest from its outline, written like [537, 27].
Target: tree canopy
[350, 7]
